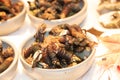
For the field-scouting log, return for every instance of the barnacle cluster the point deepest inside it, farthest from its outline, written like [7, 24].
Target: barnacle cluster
[54, 9]
[61, 47]
[9, 9]
[6, 56]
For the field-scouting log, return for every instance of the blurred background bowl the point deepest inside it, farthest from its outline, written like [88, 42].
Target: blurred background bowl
[13, 23]
[77, 18]
[108, 22]
[69, 73]
[11, 71]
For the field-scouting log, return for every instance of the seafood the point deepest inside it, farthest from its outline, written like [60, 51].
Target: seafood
[110, 20]
[54, 9]
[61, 47]
[106, 6]
[6, 56]
[41, 32]
[8, 9]
[6, 64]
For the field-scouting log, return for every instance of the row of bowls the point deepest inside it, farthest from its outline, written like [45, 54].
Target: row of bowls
[16, 22]
[71, 73]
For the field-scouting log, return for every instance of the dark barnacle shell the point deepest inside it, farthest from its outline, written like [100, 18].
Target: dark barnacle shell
[32, 49]
[56, 31]
[68, 57]
[59, 30]
[5, 8]
[52, 55]
[1, 47]
[39, 36]
[58, 7]
[79, 49]
[37, 3]
[63, 54]
[6, 64]
[46, 59]
[49, 13]
[42, 65]
[8, 52]
[6, 55]
[76, 32]
[32, 5]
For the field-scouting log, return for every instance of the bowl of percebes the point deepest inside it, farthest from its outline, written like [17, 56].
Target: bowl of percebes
[12, 15]
[54, 12]
[8, 60]
[65, 52]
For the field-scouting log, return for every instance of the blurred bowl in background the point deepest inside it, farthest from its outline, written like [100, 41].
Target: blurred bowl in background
[108, 22]
[11, 70]
[77, 18]
[14, 23]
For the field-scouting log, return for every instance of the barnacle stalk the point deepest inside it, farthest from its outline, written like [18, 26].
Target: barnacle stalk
[6, 64]
[1, 48]
[39, 36]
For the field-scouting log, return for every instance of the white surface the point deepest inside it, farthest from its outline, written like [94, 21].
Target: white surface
[27, 30]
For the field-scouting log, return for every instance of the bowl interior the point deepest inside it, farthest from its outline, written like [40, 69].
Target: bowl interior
[89, 55]
[83, 6]
[14, 17]
[13, 65]
[14, 23]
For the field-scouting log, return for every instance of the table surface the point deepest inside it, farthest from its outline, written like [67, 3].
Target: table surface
[27, 30]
